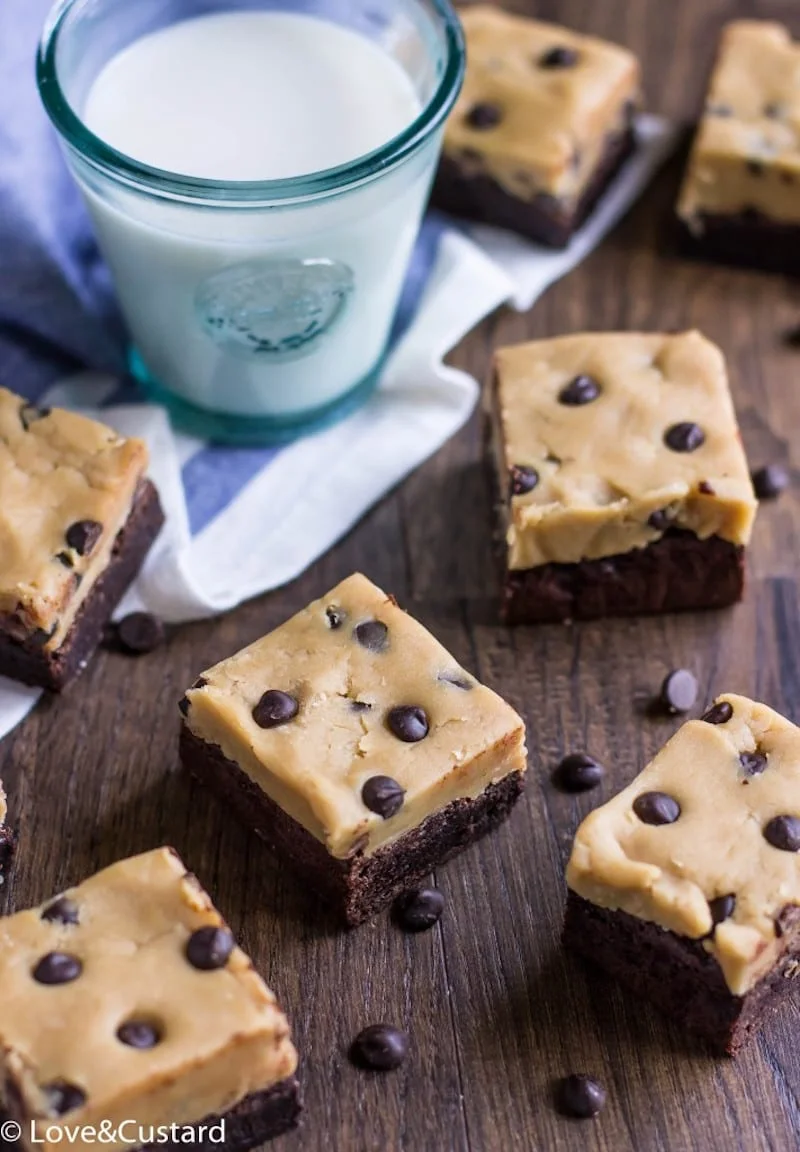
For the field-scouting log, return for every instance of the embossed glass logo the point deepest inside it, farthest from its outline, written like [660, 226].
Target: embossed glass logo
[276, 309]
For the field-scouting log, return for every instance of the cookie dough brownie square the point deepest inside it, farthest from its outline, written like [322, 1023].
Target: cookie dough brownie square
[544, 122]
[740, 201]
[686, 886]
[128, 1005]
[355, 746]
[77, 517]
[624, 487]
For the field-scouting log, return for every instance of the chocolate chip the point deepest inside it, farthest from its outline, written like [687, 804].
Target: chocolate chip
[457, 680]
[184, 705]
[83, 535]
[559, 57]
[372, 635]
[57, 968]
[705, 488]
[522, 479]
[770, 481]
[578, 772]
[719, 110]
[755, 167]
[685, 437]
[774, 111]
[718, 713]
[582, 390]
[29, 414]
[783, 832]
[721, 908]
[208, 948]
[200, 682]
[484, 116]
[383, 795]
[679, 691]
[656, 808]
[62, 1097]
[580, 1097]
[409, 723]
[381, 1048]
[418, 910]
[140, 632]
[65, 559]
[753, 763]
[335, 617]
[275, 708]
[659, 520]
[61, 911]
[139, 1034]
[360, 706]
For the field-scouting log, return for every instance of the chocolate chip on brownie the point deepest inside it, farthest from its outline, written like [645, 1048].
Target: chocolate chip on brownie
[83, 535]
[372, 635]
[57, 968]
[685, 437]
[382, 795]
[275, 708]
[559, 57]
[582, 390]
[656, 808]
[484, 116]
[522, 479]
[209, 948]
[62, 1097]
[409, 723]
[783, 832]
[61, 911]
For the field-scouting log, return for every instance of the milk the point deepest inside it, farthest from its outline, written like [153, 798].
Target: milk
[257, 308]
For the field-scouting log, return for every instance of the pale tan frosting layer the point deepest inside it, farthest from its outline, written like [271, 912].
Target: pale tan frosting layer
[223, 1034]
[746, 153]
[604, 468]
[315, 765]
[667, 874]
[554, 121]
[56, 470]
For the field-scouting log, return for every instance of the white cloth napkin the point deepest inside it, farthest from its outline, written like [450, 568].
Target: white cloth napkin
[306, 496]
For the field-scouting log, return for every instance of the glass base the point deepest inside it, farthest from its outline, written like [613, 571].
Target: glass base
[223, 428]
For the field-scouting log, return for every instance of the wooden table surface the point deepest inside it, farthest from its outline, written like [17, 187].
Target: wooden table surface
[494, 1008]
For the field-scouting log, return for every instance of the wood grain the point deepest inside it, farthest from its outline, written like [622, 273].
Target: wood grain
[495, 1010]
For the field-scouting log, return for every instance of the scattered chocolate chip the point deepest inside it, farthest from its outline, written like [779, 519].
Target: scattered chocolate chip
[792, 336]
[200, 682]
[83, 535]
[382, 795]
[719, 110]
[418, 910]
[335, 617]
[770, 481]
[656, 808]
[753, 763]
[578, 772]
[783, 832]
[381, 1048]
[360, 706]
[57, 968]
[372, 635]
[62, 1097]
[184, 705]
[62, 910]
[755, 167]
[774, 111]
[40, 637]
[275, 708]
[705, 488]
[559, 57]
[685, 437]
[140, 632]
[522, 479]
[65, 559]
[582, 390]
[139, 1034]
[409, 723]
[659, 520]
[580, 1097]
[457, 680]
[208, 948]
[718, 713]
[679, 691]
[721, 908]
[484, 116]
[29, 414]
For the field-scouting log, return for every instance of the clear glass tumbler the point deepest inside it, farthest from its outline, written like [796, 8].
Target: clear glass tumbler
[258, 310]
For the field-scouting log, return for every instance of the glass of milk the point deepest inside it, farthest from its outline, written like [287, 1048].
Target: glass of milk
[256, 171]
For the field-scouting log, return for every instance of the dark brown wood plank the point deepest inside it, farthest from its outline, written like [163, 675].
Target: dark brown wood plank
[495, 1009]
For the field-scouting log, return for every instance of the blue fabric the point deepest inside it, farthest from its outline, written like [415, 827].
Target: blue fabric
[57, 309]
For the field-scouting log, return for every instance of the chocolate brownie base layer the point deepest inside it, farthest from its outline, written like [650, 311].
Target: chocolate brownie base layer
[7, 845]
[34, 664]
[677, 573]
[543, 219]
[748, 240]
[678, 975]
[359, 886]
[258, 1117]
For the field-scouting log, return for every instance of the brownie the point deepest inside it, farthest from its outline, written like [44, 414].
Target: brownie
[78, 519]
[164, 1023]
[686, 886]
[356, 747]
[738, 203]
[623, 485]
[543, 125]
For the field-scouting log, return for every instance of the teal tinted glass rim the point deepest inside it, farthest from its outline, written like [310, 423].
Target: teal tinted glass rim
[160, 182]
